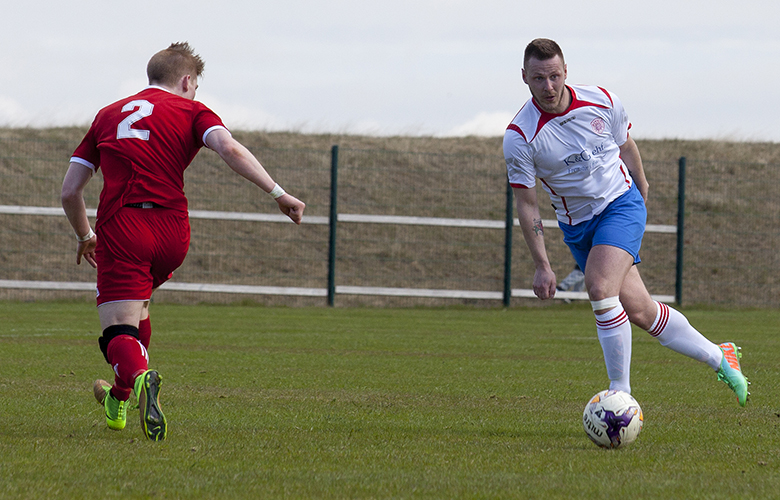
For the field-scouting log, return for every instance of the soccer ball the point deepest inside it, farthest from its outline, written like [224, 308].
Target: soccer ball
[612, 419]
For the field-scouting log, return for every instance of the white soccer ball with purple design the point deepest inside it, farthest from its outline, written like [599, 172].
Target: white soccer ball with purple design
[612, 419]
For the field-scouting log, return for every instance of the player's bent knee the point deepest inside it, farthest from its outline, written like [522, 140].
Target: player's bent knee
[608, 303]
[641, 314]
[111, 333]
[642, 319]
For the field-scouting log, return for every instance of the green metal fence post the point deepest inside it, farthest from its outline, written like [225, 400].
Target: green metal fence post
[678, 288]
[510, 220]
[334, 169]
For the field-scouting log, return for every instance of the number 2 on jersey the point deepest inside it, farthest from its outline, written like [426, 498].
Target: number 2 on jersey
[125, 128]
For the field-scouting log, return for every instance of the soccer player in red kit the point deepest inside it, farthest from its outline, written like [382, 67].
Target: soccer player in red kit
[144, 143]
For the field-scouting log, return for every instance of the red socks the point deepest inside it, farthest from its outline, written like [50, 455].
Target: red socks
[129, 359]
[145, 331]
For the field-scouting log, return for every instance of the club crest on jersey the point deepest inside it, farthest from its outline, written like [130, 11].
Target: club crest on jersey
[598, 125]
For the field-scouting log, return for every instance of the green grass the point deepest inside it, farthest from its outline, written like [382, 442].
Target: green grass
[378, 403]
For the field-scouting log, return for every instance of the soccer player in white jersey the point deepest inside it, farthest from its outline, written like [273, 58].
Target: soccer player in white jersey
[575, 140]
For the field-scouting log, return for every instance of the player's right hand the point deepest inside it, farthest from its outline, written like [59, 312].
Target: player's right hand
[544, 284]
[86, 249]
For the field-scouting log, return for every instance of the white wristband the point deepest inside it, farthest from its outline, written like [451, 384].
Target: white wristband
[277, 191]
[87, 237]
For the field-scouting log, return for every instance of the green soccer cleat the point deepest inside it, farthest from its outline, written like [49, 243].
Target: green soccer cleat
[116, 412]
[100, 388]
[147, 387]
[730, 372]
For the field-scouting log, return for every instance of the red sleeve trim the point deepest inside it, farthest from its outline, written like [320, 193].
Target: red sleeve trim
[518, 186]
[607, 94]
[514, 127]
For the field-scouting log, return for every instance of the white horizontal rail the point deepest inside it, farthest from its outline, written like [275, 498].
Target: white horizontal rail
[418, 292]
[308, 292]
[23, 210]
[313, 219]
[317, 292]
[49, 285]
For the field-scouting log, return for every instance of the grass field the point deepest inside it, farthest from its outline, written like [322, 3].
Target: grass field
[380, 403]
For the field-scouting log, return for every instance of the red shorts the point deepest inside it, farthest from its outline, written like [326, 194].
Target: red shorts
[138, 249]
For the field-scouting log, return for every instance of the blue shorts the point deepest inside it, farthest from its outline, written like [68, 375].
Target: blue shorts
[621, 225]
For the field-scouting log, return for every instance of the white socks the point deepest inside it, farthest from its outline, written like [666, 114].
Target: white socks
[670, 327]
[615, 338]
[673, 330]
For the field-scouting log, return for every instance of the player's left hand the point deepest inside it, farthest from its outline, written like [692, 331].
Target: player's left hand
[644, 189]
[292, 207]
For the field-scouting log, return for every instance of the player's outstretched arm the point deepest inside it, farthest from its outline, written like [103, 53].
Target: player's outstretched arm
[533, 233]
[73, 185]
[244, 163]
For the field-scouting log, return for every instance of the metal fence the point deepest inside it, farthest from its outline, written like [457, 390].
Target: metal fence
[404, 229]
[732, 234]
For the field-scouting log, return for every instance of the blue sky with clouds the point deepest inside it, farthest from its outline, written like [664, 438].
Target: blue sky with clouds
[686, 70]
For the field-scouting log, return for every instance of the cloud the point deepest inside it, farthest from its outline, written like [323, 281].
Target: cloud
[12, 113]
[242, 117]
[484, 124]
[412, 67]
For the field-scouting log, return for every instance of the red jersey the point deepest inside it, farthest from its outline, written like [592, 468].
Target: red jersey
[144, 143]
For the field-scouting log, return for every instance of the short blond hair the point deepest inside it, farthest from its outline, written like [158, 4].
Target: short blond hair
[169, 65]
[542, 49]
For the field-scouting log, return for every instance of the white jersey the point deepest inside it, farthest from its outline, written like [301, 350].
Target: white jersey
[575, 155]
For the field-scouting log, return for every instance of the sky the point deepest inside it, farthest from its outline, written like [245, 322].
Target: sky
[683, 69]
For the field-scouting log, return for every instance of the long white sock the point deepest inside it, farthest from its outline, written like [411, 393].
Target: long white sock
[673, 330]
[615, 338]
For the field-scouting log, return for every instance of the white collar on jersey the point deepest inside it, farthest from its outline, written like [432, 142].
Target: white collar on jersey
[158, 87]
